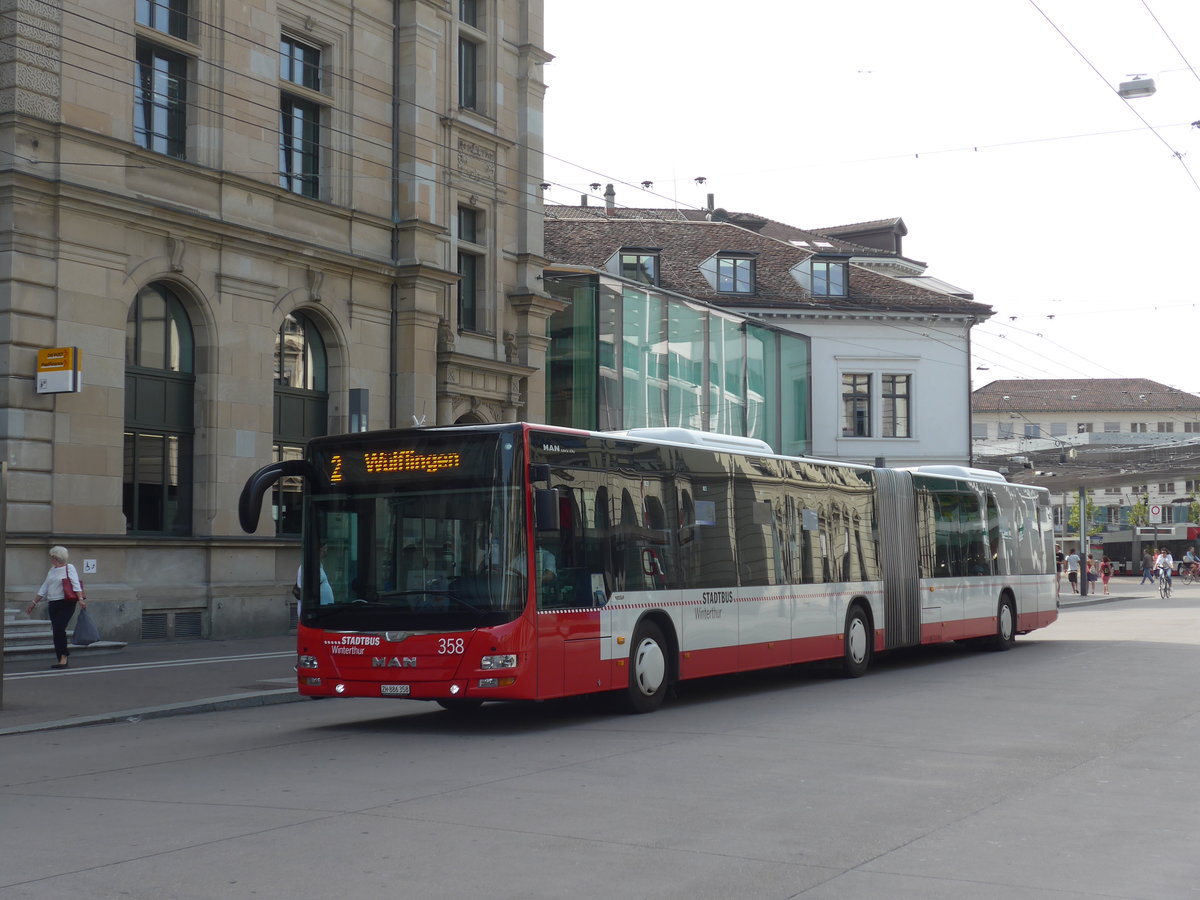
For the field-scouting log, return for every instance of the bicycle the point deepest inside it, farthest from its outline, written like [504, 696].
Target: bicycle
[1164, 584]
[1190, 575]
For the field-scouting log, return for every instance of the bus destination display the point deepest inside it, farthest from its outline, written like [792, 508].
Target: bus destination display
[389, 462]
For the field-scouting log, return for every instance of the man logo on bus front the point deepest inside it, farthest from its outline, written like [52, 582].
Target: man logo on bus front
[395, 662]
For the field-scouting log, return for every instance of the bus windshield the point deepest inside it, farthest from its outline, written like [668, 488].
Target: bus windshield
[424, 534]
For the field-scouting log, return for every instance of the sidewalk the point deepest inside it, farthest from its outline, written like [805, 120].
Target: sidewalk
[1125, 587]
[165, 679]
[146, 680]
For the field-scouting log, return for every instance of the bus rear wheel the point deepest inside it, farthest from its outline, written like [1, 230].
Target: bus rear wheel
[1006, 624]
[648, 670]
[856, 650]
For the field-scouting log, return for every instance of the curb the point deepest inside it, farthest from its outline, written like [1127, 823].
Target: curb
[210, 704]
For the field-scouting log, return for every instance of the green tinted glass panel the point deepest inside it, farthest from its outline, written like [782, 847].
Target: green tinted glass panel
[572, 363]
[688, 334]
[793, 394]
[644, 361]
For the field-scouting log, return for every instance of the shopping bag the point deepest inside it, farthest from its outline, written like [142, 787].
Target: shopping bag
[86, 631]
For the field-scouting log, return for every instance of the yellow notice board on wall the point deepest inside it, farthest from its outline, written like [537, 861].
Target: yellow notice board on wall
[59, 370]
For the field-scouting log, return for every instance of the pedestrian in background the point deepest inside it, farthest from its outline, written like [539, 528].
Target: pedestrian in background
[1106, 571]
[61, 608]
[1147, 566]
[1073, 571]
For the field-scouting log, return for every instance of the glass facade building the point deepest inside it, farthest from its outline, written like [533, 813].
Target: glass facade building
[624, 355]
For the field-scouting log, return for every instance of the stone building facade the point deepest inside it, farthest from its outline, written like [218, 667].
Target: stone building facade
[258, 222]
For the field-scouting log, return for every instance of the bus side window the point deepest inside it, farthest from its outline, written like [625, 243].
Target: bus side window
[976, 559]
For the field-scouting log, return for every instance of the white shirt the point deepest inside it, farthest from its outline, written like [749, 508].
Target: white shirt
[51, 588]
[326, 588]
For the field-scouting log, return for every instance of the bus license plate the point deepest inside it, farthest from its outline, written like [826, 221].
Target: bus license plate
[400, 690]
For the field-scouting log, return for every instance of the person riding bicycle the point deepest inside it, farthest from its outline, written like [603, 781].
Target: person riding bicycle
[1164, 564]
[1190, 560]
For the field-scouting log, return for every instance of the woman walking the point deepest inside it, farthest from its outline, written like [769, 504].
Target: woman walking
[62, 607]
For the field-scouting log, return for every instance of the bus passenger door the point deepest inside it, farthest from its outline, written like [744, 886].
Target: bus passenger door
[572, 592]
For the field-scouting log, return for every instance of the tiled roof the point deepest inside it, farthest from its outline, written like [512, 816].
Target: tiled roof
[864, 226]
[781, 231]
[1081, 395]
[592, 239]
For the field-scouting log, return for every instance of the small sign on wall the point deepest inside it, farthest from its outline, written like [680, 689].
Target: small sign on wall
[59, 370]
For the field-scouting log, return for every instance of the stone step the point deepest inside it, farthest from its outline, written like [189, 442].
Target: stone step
[24, 636]
[46, 649]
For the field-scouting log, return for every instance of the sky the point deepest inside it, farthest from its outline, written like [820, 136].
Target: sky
[991, 127]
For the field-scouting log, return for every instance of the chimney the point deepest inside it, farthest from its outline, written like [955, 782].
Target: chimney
[583, 199]
[610, 199]
[711, 199]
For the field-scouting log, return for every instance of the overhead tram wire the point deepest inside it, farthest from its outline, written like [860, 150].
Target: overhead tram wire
[229, 117]
[1175, 153]
[243, 74]
[986, 336]
[1068, 350]
[1171, 41]
[969, 148]
[224, 114]
[670, 202]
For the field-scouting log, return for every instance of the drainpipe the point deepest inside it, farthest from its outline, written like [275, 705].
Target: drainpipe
[970, 415]
[394, 290]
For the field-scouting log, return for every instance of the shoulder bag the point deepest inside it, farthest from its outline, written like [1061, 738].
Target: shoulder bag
[69, 592]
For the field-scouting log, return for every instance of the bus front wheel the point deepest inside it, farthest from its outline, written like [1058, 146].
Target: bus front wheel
[856, 650]
[647, 670]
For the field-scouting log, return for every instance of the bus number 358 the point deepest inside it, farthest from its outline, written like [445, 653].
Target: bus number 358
[450, 645]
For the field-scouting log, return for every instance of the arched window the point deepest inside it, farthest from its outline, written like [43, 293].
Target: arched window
[159, 397]
[301, 408]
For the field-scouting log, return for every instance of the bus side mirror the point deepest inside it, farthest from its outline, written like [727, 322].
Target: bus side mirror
[250, 501]
[545, 509]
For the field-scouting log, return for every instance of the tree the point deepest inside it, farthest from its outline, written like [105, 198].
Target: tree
[1139, 513]
[1073, 519]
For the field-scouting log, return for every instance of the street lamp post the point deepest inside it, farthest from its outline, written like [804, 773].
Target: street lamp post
[1084, 569]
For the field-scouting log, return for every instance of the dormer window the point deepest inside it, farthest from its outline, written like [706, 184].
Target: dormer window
[640, 264]
[823, 278]
[829, 279]
[735, 274]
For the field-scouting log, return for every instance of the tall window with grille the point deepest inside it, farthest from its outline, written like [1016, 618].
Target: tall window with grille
[300, 114]
[472, 50]
[301, 408]
[896, 397]
[856, 405]
[159, 421]
[472, 269]
[161, 84]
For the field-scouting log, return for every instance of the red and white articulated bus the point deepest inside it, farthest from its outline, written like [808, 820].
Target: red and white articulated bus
[473, 563]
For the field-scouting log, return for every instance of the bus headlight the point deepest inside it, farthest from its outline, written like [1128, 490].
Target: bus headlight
[503, 661]
[306, 662]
